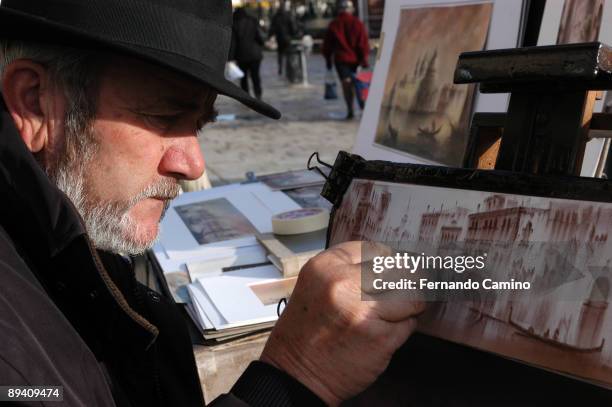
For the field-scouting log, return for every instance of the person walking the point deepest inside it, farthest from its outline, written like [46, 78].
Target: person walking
[247, 49]
[283, 28]
[346, 44]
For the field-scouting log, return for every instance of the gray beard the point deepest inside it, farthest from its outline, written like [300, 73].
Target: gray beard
[109, 225]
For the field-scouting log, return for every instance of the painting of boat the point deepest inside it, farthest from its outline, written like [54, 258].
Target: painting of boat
[431, 131]
[553, 340]
[420, 100]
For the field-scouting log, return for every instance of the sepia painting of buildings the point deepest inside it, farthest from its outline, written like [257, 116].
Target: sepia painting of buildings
[580, 21]
[423, 113]
[215, 220]
[559, 245]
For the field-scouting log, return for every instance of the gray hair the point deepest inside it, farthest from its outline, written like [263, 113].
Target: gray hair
[75, 71]
[76, 74]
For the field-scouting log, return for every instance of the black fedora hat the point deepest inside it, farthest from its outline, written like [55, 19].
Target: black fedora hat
[191, 37]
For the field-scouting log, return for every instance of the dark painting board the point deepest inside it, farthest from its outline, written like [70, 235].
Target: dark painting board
[552, 232]
[571, 336]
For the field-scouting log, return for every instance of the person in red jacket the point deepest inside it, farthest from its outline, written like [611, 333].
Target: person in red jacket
[346, 41]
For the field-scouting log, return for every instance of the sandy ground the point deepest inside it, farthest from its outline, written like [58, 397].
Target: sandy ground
[242, 141]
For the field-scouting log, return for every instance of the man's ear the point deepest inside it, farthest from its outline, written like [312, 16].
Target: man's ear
[30, 99]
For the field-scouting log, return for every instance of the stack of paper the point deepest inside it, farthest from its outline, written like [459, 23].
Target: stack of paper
[226, 306]
[210, 258]
[207, 232]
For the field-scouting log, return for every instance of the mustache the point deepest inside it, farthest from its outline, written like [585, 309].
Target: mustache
[165, 189]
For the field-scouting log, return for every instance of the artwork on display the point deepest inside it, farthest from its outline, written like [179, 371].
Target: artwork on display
[214, 220]
[574, 21]
[292, 179]
[309, 197]
[414, 112]
[580, 21]
[189, 235]
[376, 7]
[561, 243]
[423, 112]
[375, 10]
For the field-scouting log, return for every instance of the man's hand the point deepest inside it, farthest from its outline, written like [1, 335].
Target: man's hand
[328, 338]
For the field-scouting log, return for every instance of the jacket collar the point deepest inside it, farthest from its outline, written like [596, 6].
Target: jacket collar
[49, 232]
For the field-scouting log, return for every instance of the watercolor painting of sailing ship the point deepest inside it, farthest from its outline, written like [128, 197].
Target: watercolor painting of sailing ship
[423, 113]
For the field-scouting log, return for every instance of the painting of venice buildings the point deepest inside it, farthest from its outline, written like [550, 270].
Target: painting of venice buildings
[423, 113]
[214, 220]
[562, 245]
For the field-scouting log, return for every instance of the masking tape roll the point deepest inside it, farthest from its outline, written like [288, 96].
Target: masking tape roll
[298, 221]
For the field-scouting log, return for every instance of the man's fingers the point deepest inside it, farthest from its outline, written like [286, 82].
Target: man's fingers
[396, 307]
[356, 252]
[343, 253]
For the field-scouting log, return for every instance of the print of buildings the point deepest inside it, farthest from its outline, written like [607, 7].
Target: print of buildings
[544, 241]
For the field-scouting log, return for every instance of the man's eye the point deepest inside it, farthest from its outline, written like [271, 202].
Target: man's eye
[161, 120]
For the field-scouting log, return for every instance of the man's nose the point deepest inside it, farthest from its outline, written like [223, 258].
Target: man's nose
[183, 160]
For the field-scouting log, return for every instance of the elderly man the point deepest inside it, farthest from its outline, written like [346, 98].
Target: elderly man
[101, 104]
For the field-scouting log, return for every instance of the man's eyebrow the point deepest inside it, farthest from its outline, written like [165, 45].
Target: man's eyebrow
[181, 103]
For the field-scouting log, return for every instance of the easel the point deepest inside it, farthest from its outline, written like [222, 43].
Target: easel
[550, 115]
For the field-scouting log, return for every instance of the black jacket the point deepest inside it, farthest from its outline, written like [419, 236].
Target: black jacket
[75, 317]
[247, 40]
[283, 28]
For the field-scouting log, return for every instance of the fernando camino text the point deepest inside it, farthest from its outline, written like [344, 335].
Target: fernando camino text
[469, 284]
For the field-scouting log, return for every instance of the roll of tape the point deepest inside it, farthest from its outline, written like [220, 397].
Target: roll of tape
[298, 221]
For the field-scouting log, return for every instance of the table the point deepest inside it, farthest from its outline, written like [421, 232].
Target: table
[219, 366]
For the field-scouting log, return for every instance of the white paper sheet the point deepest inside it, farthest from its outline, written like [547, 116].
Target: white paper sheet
[196, 312]
[211, 267]
[234, 299]
[209, 316]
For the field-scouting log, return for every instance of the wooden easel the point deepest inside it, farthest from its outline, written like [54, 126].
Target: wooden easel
[550, 115]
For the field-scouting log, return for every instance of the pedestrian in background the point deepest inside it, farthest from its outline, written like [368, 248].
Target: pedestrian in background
[283, 28]
[346, 44]
[247, 49]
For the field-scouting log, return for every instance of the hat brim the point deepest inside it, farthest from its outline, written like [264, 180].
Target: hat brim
[22, 26]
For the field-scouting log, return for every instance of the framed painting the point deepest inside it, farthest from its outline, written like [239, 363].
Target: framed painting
[573, 21]
[414, 111]
[570, 21]
[542, 294]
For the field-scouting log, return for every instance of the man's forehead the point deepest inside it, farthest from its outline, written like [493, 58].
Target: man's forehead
[150, 83]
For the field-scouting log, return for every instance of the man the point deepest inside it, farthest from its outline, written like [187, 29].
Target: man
[346, 43]
[247, 49]
[101, 104]
[283, 28]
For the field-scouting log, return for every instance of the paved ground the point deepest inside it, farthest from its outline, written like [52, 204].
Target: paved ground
[243, 141]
